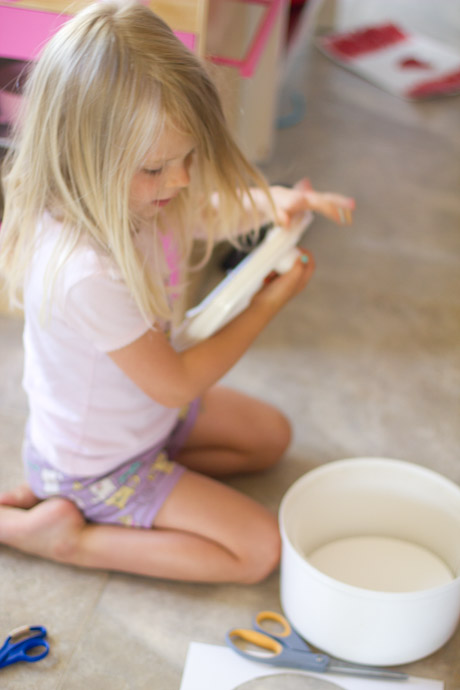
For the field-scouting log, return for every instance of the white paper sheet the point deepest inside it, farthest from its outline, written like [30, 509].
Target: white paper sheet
[212, 667]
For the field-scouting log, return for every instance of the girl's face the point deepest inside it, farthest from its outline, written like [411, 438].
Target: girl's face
[164, 172]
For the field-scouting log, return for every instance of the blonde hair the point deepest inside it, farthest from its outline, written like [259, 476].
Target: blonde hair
[94, 104]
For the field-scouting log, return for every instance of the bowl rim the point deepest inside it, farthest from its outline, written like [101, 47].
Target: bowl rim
[352, 590]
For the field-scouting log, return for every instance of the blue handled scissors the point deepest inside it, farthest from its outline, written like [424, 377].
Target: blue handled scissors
[286, 648]
[24, 644]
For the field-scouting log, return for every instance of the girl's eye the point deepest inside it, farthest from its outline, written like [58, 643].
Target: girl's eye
[156, 171]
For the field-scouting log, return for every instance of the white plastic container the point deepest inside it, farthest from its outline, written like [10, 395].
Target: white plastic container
[277, 252]
[373, 498]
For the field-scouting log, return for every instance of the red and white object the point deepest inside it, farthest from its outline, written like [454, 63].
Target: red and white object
[409, 65]
[277, 252]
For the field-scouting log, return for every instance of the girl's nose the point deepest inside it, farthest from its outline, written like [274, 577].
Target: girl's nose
[179, 176]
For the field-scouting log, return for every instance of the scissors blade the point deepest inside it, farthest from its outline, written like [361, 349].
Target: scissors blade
[357, 670]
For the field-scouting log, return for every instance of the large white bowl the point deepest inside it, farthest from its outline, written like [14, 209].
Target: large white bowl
[373, 497]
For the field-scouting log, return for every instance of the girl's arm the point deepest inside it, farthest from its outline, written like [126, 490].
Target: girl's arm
[289, 201]
[174, 379]
[302, 197]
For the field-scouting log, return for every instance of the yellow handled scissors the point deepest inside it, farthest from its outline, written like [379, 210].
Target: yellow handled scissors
[284, 647]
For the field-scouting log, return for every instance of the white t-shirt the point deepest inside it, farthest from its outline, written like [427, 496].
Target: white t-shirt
[86, 415]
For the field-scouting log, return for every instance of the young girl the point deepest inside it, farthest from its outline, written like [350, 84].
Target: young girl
[122, 154]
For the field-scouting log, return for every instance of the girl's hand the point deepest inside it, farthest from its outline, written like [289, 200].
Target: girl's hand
[279, 289]
[301, 197]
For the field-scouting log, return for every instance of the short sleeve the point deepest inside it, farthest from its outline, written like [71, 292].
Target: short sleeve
[100, 309]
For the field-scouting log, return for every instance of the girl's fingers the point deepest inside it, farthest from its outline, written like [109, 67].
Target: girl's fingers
[306, 258]
[344, 215]
[287, 285]
[334, 206]
[303, 197]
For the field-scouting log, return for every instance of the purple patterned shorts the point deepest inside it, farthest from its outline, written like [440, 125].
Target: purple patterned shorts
[130, 495]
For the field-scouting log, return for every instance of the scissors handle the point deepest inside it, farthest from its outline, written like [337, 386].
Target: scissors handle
[265, 622]
[24, 644]
[266, 649]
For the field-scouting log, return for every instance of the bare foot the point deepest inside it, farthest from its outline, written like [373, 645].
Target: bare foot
[49, 529]
[19, 497]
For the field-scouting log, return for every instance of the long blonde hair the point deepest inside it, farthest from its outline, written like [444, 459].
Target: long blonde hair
[94, 103]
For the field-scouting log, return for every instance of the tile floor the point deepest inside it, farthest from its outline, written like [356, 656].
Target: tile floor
[366, 363]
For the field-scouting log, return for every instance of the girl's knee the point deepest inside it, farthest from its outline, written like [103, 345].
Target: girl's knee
[278, 437]
[262, 555]
[284, 431]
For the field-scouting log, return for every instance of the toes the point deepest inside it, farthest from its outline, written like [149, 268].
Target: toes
[19, 497]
